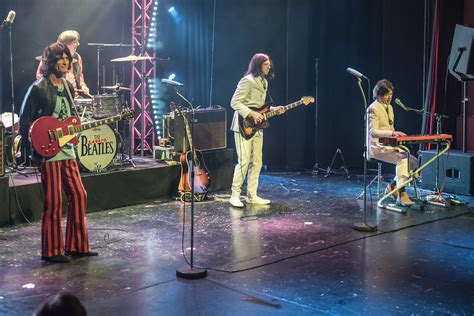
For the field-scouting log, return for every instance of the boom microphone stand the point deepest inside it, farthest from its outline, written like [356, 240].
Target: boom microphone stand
[190, 272]
[364, 226]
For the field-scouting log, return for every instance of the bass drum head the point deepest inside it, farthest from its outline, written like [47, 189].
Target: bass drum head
[97, 148]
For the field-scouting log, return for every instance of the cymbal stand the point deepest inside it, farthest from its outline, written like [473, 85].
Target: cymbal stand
[125, 157]
[99, 46]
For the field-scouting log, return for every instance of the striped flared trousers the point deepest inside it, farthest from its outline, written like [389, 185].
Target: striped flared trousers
[56, 175]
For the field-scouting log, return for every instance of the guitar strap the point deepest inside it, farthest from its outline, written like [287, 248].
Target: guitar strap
[71, 99]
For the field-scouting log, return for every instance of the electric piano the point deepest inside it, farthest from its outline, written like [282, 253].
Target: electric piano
[415, 139]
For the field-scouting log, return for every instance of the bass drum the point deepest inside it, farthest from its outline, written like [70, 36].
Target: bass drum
[97, 148]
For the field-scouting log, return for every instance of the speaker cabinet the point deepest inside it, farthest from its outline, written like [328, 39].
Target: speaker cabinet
[456, 167]
[210, 130]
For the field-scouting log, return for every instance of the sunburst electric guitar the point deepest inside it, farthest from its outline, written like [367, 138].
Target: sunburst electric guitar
[247, 125]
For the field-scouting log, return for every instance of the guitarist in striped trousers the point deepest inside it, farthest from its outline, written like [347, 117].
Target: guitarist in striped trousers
[51, 95]
[251, 91]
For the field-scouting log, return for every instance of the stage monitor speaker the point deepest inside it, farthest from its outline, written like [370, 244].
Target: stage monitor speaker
[210, 130]
[456, 166]
[2, 149]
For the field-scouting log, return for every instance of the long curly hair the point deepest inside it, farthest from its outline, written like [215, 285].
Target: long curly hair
[255, 66]
[51, 55]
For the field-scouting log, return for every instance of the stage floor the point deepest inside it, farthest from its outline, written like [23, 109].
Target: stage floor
[297, 256]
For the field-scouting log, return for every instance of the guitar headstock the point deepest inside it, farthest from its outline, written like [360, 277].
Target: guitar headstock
[127, 114]
[307, 100]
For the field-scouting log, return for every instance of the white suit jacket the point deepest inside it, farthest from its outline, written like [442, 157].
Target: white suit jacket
[380, 123]
[250, 92]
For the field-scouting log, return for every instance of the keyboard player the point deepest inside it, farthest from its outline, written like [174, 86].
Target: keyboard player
[380, 123]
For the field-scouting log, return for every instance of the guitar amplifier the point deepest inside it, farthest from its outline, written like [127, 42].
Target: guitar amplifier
[2, 149]
[210, 130]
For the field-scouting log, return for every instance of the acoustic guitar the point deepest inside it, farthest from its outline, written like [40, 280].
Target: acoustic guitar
[193, 157]
[247, 125]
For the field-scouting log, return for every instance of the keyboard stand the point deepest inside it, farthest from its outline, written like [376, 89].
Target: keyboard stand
[414, 175]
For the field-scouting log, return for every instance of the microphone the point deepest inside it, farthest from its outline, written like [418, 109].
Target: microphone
[355, 73]
[10, 17]
[400, 104]
[172, 82]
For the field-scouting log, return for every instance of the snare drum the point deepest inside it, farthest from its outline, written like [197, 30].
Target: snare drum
[105, 105]
[97, 148]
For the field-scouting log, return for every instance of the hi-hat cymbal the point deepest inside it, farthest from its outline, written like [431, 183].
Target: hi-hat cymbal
[116, 87]
[131, 58]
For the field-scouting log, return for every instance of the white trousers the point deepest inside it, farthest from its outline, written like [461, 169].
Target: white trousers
[397, 157]
[249, 155]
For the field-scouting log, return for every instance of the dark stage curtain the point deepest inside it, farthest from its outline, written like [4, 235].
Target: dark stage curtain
[189, 37]
[432, 79]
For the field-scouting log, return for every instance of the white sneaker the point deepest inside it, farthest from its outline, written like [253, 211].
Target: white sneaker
[236, 202]
[259, 200]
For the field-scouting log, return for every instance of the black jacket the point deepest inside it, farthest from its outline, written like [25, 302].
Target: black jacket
[40, 100]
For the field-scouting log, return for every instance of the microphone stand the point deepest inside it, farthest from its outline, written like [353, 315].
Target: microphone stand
[364, 226]
[12, 87]
[190, 272]
[437, 198]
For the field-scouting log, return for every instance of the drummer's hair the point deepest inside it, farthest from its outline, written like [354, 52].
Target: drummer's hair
[68, 37]
[51, 55]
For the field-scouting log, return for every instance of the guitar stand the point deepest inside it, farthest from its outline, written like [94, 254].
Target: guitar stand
[186, 197]
[330, 171]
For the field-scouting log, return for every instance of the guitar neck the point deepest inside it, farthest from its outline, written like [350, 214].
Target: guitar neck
[188, 132]
[93, 124]
[287, 107]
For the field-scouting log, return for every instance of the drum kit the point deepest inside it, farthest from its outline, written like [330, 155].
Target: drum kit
[112, 138]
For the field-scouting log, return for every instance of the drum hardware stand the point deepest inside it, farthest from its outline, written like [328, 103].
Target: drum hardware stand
[99, 46]
[330, 171]
[129, 156]
[190, 272]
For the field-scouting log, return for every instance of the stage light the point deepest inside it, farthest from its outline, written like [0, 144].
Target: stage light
[172, 76]
[171, 10]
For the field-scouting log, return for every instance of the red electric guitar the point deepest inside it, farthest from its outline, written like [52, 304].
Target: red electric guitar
[48, 134]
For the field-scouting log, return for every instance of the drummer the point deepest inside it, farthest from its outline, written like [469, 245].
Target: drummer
[75, 74]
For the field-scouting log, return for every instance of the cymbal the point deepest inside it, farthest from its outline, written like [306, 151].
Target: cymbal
[116, 87]
[6, 119]
[131, 58]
